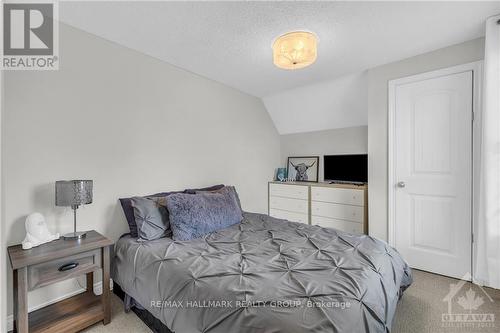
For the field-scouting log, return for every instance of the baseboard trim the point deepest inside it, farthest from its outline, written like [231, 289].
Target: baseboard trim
[97, 291]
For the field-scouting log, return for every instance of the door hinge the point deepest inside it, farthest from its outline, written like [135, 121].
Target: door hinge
[473, 116]
[472, 238]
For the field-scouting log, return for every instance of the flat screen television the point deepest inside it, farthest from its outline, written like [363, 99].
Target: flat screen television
[346, 168]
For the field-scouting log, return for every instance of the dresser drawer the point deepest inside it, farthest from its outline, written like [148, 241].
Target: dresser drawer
[347, 226]
[338, 195]
[292, 205]
[289, 191]
[290, 216]
[337, 211]
[60, 269]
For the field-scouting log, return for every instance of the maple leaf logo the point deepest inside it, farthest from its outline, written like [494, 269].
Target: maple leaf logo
[470, 301]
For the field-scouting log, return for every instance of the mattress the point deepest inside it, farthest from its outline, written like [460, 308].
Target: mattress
[265, 275]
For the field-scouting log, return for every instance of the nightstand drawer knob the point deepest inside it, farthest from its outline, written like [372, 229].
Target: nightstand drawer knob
[67, 267]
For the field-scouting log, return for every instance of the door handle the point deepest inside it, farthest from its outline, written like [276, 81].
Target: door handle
[401, 184]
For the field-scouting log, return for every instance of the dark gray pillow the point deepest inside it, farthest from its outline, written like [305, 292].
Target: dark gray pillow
[128, 210]
[151, 217]
[223, 190]
[195, 215]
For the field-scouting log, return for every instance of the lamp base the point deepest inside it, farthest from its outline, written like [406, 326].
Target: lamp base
[75, 235]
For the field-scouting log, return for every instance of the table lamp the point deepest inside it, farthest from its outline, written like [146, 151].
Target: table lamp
[73, 193]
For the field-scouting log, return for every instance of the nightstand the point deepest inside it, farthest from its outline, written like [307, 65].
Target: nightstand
[56, 261]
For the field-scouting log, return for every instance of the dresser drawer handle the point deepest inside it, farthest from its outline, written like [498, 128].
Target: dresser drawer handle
[67, 267]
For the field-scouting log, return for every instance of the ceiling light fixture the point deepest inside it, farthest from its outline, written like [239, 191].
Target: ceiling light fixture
[294, 50]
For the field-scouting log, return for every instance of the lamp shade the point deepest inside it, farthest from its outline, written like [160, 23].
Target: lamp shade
[295, 50]
[73, 192]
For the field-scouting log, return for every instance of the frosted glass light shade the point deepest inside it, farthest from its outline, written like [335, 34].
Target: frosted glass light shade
[295, 50]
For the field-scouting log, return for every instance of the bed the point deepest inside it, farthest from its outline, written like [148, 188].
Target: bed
[265, 275]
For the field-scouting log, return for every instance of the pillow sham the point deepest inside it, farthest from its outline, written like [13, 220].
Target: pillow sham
[128, 210]
[151, 217]
[207, 189]
[225, 188]
[193, 216]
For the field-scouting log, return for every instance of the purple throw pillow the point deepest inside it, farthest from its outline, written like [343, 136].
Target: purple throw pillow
[224, 189]
[195, 215]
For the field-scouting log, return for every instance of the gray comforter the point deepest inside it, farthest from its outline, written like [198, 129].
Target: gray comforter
[265, 275]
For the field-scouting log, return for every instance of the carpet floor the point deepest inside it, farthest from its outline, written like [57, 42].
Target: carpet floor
[420, 310]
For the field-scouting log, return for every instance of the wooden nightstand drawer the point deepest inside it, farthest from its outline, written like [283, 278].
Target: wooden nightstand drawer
[61, 269]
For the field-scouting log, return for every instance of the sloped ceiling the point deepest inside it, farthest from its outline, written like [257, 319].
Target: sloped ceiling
[337, 103]
[230, 42]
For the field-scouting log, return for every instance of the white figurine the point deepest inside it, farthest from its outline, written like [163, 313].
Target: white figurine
[37, 232]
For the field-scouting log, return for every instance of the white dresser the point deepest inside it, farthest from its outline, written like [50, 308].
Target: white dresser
[290, 202]
[339, 206]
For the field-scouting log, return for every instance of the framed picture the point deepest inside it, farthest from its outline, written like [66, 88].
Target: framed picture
[303, 168]
[281, 174]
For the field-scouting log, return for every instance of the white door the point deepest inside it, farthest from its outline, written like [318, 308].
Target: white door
[433, 172]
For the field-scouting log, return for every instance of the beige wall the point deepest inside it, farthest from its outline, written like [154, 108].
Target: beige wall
[133, 124]
[350, 140]
[377, 117]
[3, 252]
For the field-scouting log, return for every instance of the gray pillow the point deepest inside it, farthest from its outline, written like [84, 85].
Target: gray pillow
[224, 189]
[195, 215]
[151, 217]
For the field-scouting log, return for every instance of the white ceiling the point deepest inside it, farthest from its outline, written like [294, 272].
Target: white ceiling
[338, 103]
[230, 42]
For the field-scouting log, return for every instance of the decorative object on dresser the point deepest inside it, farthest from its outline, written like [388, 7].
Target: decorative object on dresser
[53, 262]
[73, 193]
[37, 232]
[338, 206]
[281, 174]
[303, 168]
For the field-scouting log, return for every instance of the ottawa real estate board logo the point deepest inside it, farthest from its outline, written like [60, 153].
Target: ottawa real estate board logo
[30, 36]
[465, 307]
